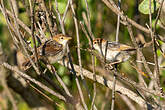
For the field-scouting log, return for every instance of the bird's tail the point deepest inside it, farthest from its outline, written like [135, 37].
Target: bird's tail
[27, 64]
[131, 51]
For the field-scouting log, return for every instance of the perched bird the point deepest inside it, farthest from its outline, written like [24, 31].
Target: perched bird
[53, 49]
[113, 52]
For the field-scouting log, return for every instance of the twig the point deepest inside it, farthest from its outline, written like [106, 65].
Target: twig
[39, 91]
[57, 88]
[108, 83]
[70, 60]
[6, 65]
[157, 73]
[118, 22]
[65, 13]
[87, 24]
[21, 41]
[19, 22]
[105, 100]
[125, 19]
[59, 18]
[150, 63]
[87, 20]
[32, 7]
[93, 63]
[48, 18]
[103, 72]
[63, 31]
[78, 39]
[140, 52]
[52, 69]
[113, 91]
[128, 102]
[78, 51]
[9, 25]
[3, 81]
[133, 83]
[158, 15]
[117, 39]
[86, 33]
[43, 37]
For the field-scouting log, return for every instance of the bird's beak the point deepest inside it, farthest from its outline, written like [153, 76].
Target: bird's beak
[68, 38]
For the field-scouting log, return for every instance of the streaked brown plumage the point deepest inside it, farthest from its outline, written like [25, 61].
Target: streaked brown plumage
[53, 49]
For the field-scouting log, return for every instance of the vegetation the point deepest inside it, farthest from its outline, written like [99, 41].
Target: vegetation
[82, 80]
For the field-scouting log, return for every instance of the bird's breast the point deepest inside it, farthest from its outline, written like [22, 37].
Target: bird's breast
[55, 58]
[111, 55]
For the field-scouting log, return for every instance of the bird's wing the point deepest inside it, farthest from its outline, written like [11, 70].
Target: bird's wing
[50, 48]
[119, 47]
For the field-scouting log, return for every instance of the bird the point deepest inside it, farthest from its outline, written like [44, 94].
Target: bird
[53, 49]
[113, 52]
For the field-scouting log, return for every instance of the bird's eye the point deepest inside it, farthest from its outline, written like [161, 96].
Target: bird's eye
[95, 42]
[62, 38]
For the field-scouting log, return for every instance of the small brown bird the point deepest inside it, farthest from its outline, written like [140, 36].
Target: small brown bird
[113, 52]
[53, 49]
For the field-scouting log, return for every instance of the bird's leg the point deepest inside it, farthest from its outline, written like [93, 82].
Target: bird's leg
[63, 61]
[109, 65]
[116, 62]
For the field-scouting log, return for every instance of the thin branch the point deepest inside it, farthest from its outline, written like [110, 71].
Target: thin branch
[113, 91]
[21, 40]
[52, 69]
[128, 102]
[125, 19]
[70, 60]
[118, 22]
[87, 20]
[105, 98]
[19, 22]
[65, 13]
[59, 18]
[48, 98]
[86, 34]
[150, 63]
[93, 63]
[93, 58]
[32, 7]
[140, 52]
[48, 18]
[9, 25]
[6, 65]
[87, 24]
[40, 92]
[133, 83]
[4, 83]
[109, 84]
[117, 39]
[158, 15]
[78, 51]
[78, 39]
[157, 73]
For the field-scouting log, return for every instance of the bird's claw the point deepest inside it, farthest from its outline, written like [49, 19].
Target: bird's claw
[109, 67]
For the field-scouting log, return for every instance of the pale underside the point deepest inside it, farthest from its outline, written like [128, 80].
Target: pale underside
[115, 52]
[113, 56]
